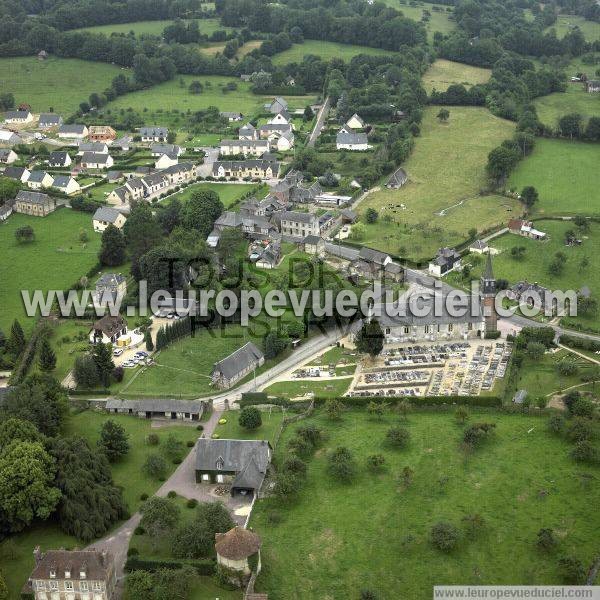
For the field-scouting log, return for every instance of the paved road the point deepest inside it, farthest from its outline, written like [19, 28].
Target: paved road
[321, 116]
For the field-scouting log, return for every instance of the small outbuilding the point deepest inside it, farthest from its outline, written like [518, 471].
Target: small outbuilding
[239, 550]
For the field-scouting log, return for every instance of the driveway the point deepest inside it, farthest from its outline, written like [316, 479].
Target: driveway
[316, 132]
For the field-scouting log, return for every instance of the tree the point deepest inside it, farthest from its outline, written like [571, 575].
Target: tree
[461, 414]
[148, 340]
[155, 466]
[334, 408]
[112, 248]
[371, 216]
[47, 356]
[16, 341]
[274, 344]
[90, 504]
[477, 433]
[545, 539]
[517, 252]
[567, 367]
[397, 437]
[8, 189]
[445, 536]
[309, 114]
[529, 196]
[85, 372]
[404, 407]
[103, 357]
[535, 350]
[201, 211]
[141, 230]
[113, 440]
[26, 485]
[375, 462]
[501, 162]
[159, 516]
[592, 130]
[25, 234]
[376, 409]
[174, 447]
[196, 87]
[370, 338]
[250, 418]
[572, 570]
[17, 430]
[443, 115]
[407, 476]
[341, 465]
[570, 125]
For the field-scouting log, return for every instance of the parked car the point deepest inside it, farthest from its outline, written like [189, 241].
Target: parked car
[117, 351]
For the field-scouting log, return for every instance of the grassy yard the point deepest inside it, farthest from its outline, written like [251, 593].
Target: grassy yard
[566, 175]
[228, 192]
[575, 100]
[206, 26]
[55, 260]
[519, 482]
[331, 388]
[60, 83]
[326, 50]
[173, 94]
[271, 422]
[564, 23]
[446, 172]
[444, 73]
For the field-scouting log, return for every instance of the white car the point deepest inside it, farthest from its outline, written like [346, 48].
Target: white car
[117, 351]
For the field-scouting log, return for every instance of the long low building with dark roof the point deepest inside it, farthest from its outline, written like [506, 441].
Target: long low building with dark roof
[237, 365]
[185, 410]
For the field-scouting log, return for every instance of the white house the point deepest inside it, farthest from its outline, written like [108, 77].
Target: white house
[19, 117]
[245, 147]
[106, 216]
[49, 120]
[158, 150]
[74, 131]
[283, 142]
[9, 138]
[446, 260]
[355, 122]
[282, 118]
[166, 160]
[8, 156]
[351, 141]
[39, 179]
[97, 147]
[67, 185]
[154, 134]
[59, 159]
[248, 132]
[18, 173]
[93, 160]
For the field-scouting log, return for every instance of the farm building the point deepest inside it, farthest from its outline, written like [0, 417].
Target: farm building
[237, 365]
[184, 410]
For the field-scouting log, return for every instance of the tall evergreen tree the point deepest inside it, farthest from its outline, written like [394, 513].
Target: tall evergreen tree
[112, 249]
[102, 355]
[148, 340]
[113, 440]
[16, 341]
[47, 356]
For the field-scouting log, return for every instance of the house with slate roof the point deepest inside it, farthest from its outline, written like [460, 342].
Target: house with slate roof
[245, 147]
[66, 185]
[241, 169]
[98, 147]
[159, 408]
[73, 131]
[154, 134]
[278, 105]
[351, 141]
[446, 260]
[17, 173]
[108, 329]
[94, 160]
[299, 224]
[236, 366]
[49, 120]
[18, 117]
[8, 156]
[105, 216]
[241, 463]
[110, 287]
[9, 138]
[35, 204]
[59, 159]
[397, 179]
[39, 179]
[248, 132]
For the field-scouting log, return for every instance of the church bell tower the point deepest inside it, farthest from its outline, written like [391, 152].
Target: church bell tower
[487, 287]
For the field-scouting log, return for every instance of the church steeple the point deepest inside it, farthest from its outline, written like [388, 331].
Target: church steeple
[488, 295]
[488, 281]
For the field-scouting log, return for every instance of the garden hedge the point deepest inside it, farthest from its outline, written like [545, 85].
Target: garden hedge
[135, 563]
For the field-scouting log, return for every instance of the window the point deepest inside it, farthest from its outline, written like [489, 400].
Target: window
[450, 327]
[470, 326]
[83, 586]
[427, 328]
[406, 329]
[53, 584]
[41, 585]
[97, 586]
[69, 586]
[52, 573]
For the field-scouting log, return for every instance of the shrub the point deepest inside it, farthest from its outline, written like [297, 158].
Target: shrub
[556, 423]
[445, 536]
[585, 452]
[375, 461]
[295, 465]
[545, 539]
[153, 439]
[477, 433]
[341, 465]
[572, 570]
[139, 531]
[192, 503]
[200, 427]
[144, 497]
[172, 494]
[132, 552]
[580, 430]
[250, 418]
[190, 444]
[397, 437]
[176, 461]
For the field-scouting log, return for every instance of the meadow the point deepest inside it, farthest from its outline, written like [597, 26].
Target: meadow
[519, 481]
[229, 193]
[332, 388]
[127, 473]
[443, 73]
[271, 423]
[175, 93]
[564, 23]
[442, 200]
[55, 260]
[565, 174]
[326, 50]
[58, 83]
[439, 20]
[206, 26]
[574, 100]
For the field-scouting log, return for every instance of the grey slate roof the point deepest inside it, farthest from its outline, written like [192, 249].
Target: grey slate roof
[237, 165]
[50, 119]
[238, 361]
[58, 157]
[72, 129]
[157, 405]
[61, 181]
[37, 176]
[105, 213]
[398, 177]
[229, 219]
[34, 197]
[14, 172]
[154, 131]
[92, 146]
[16, 114]
[94, 158]
[374, 256]
[351, 138]
[298, 217]
[235, 456]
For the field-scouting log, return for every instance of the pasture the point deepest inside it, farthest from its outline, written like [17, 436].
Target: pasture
[326, 50]
[566, 175]
[442, 200]
[519, 481]
[58, 83]
[565, 23]
[55, 260]
[206, 26]
[175, 93]
[443, 73]
[574, 100]
[439, 20]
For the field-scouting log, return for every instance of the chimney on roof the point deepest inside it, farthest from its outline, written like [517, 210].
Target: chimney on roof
[103, 558]
[37, 554]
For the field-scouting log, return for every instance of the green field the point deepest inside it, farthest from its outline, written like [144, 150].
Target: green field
[443, 73]
[173, 94]
[575, 100]
[333, 542]
[271, 423]
[564, 23]
[446, 172]
[332, 388]
[439, 21]
[58, 83]
[207, 26]
[566, 175]
[127, 474]
[228, 192]
[326, 50]
[55, 260]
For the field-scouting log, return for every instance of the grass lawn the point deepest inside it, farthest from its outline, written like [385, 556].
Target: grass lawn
[60, 83]
[228, 192]
[439, 21]
[446, 172]
[444, 73]
[206, 26]
[67, 351]
[326, 50]
[575, 100]
[205, 588]
[55, 260]
[271, 421]
[173, 94]
[337, 355]
[385, 536]
[564, 23]
[566, 175]
[331, 388]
